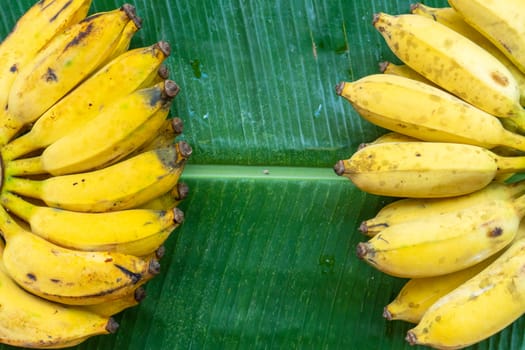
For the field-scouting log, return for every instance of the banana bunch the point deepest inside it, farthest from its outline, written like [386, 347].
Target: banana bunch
[452, 158]
[89, 174]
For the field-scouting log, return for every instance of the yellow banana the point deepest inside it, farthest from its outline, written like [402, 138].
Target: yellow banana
[113, 307]
[391, 136]
[443, 243]
[128, 32]
[403, 70]
[453, 62]
[32, 32]
[118, 78]
[117, 131]
[425, 169]
[134, 231]
[171, 128]
[502, 22]
[477, 309]
[169, 199]
[70, 58]
[407, 209]
[422, 111]
[124, 185]
[418, 294]
[32, 322]
[452, 19]
[65, 275]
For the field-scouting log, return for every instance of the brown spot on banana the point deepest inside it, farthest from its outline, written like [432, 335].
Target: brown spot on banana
[495, 232]
[499, 78]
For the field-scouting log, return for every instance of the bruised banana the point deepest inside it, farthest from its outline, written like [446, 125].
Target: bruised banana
[502, 22]
[443, 243]
[452, 19]
[90, 277]
[425, 169]
[116, 131]
[32, 322]
[61, 65]
[407, 209]
[465, 69]
[134, 231]
[427, 113]
[32, 32]
[129, 183]
[120, 77]
[479, 308]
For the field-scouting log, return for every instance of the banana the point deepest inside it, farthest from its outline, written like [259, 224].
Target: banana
[130, 29]
[134, 231]
[32, 322]
[407, 209]
[169, 199]
[418, 294]
[124, 185]
[425, 169]
[391, 136]
[65, 275]
[443, 243]
[32, 32]
[118, 130]
[171, 128]
[66, 61]
[130, 71]
[427, 113]
[477, 309]
[503, 23]
[453, 62]
[452, 19]
[403, 70]
[113, 307]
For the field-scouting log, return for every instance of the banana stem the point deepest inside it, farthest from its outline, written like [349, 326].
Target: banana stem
[25, 187]
[513, 140]
[8, 227]
[24, 166]
[510, 164]
[17, 205]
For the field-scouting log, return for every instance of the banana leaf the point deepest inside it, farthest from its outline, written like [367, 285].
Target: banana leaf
[266, 256]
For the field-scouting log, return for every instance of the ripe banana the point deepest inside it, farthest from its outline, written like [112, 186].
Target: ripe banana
[119, 129]
[425, 169]
[134, 231]
[453, 62]
[69, 276]
[124, 185]
[407, 209]
[403, 70]
[478, 308]
[113, 307]
[391, 136]
[121, 76]
[418, 294]
[443, 243]
[61, 65]
[169, 199]
[32, 322]
[452, 19]
[427, 113]
[502, 22]
[33, 31]
[165, 136]
[124, 41]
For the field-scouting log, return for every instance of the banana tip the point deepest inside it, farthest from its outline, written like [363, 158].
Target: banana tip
[171, 89]
[363, 227]
[178, 215]
[339, 88]
[361, 250]
[154, 267]
[387, 314]
[177, 125]
[140, 294]
[181, 191]
[131, 12]
[185, 149]
[160, 252]
[413, 7]
[339, 168]
[165, 47]
[112, 325]
[411, 338]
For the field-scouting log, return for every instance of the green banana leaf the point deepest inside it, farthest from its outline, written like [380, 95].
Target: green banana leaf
[266, 257]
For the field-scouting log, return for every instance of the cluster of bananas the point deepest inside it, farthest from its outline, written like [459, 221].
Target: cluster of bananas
[90, 171]
[456, 124]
